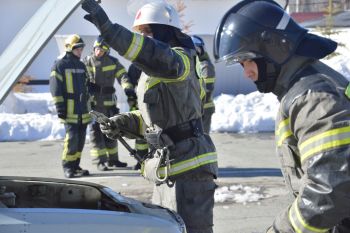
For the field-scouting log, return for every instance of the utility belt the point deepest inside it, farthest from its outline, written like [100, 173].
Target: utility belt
[159, 138]
[94, 88]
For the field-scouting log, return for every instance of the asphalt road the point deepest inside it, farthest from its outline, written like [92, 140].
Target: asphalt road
[247, 160]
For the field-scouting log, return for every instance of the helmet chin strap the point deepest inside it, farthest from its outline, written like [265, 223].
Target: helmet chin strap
[267, 75]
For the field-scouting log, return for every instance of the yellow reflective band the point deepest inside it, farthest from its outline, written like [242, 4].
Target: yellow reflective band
[139, 116]
[325, 141]
[135, 47]
[56, 75]
[69, 81]
[70, 107]
[108, 103]
[202, 94]
[347, 91]
[112, 151]
[283, 131]
[209, 105]
[209, 80]
[141, 146]
[298, 222]
[91, 69]
[109, 68]
[120, 73]
[97, 152]
[190, 164]
[156, 80]
[58, 99]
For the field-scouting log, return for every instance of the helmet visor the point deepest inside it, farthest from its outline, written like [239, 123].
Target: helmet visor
[234, 39]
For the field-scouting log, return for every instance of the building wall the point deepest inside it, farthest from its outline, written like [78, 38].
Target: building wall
[203, 14]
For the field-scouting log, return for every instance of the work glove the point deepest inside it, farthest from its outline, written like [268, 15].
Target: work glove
[132, 98]
[113, 129]
[61, 112]
[96, 15]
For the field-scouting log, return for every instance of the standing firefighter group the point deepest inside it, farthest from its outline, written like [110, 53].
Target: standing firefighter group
[169, 87]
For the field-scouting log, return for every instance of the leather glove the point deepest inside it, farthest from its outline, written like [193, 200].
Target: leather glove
[96, 15]
[112, 130]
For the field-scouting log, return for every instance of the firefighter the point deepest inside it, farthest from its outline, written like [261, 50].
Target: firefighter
[103, 69]
[169, 113]
[141, 145]
[206, 72]
[313, 121]
[68, 86]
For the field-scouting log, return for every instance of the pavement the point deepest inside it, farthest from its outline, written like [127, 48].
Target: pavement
[244, 159]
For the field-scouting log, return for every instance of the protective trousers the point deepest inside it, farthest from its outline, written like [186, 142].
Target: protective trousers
[73, 145]
[206, 119]
[192, 197]
[104, 149]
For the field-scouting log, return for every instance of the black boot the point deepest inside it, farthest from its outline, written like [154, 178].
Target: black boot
[81, 172]
[102, 167]
[136, 167]
[68, 172]
[116, 164]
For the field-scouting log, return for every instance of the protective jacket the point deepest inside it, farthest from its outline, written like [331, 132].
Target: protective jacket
[102, 73]
[68, 86]
[206, 72]
[313, 142]
[168, 95]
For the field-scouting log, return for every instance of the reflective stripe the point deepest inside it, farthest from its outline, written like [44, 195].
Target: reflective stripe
[112, 151]
[70, 107]
[108, 68]
[325, 141]
[58, 99]
[202, 94]
[91, 69]
[141, 146]
[298, 222]
[98, 153]
[152, 81]
[347, 91]
[190, 164]
[120, 73]
[283, 131]
[135, 47]
[283, 22]
[69, 82]
[65, 155]
[56, 75]
[108, 103]
[209, 105]
[139, 116]
[209, 80]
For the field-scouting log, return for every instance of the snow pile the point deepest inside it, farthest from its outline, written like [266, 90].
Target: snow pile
[239, 194]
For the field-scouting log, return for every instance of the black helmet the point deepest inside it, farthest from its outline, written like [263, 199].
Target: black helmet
[100, 43]
[261, 28]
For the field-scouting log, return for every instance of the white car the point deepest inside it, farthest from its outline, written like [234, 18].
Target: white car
[34, 205]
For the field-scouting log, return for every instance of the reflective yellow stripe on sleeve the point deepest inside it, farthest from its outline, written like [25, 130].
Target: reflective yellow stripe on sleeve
[190, 164]
[330, 139]
[283, 131]
[186, 61]
[209, 105]
[298, 222]
[209, 80]
[109, 68]
[139, 116]
[135, 47]
[56, 75]
[143, 146]
[120, 73]
[57, 99]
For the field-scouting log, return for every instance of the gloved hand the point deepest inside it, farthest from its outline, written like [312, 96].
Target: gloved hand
[61, 112]
[132, 98]
[96, 15]
[112, 130]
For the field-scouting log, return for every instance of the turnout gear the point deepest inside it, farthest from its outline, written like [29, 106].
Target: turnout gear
[199, 45]
[102, 73]
[313, 121]
[73, 42]
[68, 86]
[169, 95]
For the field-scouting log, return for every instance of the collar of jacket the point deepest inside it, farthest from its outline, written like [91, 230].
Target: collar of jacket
[72, 56]
[289, 74]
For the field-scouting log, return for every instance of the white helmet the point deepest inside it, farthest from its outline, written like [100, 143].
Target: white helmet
[157, 13]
